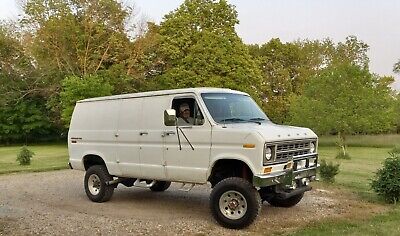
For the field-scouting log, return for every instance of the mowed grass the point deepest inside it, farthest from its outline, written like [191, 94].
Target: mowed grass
[357, 172]
[382, 224]
[380, 140]
[355, 175]
[47, 157]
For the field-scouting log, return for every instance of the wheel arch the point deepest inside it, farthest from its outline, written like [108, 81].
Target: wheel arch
[229, 167]
[89, 160]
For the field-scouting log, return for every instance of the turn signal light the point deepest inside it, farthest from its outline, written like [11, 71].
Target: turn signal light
[249, 145]
[267, 170]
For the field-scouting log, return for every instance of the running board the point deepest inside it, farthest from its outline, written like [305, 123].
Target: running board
[143, 185]
[182, 188]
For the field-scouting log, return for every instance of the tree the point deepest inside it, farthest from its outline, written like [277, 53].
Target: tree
[281, 65]
[344, 99]
[397, 111]
[78, 37]
[24, 121]
[199, 47]
[286, 67]
[396, 67]
[18, 78]
[76, 88]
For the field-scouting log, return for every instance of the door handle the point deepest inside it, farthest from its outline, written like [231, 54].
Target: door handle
[143, 133]
[168, 133]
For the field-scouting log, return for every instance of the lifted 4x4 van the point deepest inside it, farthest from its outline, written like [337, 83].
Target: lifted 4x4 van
[192, 136]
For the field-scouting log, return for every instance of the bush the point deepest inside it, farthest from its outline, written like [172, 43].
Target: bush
[24, 156]
[387, 179]
[343, 155]
[328, 171]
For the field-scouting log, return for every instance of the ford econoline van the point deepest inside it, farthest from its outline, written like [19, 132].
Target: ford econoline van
[193, 136]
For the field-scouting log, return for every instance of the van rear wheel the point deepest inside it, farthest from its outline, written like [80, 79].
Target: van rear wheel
[160, 186]
[96, 188]
[234, 203]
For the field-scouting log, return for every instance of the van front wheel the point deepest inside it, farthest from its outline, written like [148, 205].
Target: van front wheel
[289, 202]
[96, 188]
[234, 203]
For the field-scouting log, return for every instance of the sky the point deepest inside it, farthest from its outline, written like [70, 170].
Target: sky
[375, 22]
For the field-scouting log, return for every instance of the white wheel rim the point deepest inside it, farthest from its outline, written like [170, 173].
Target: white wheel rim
[233, 205]
[94, 184]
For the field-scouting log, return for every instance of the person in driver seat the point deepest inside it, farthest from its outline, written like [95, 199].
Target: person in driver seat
[184, 118]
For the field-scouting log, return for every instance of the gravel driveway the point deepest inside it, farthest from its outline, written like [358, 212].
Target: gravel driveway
[55, 203]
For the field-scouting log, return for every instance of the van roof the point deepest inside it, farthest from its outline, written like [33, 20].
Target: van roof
[163, 92]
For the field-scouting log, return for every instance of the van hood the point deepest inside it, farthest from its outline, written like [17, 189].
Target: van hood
[272, 132]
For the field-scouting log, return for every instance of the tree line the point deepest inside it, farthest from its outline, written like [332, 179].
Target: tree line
[62, 51]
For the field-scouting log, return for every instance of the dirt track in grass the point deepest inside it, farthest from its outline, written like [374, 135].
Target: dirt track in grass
[55, 203]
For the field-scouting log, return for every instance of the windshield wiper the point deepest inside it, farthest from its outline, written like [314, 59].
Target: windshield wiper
[257, 119]
[233, 119]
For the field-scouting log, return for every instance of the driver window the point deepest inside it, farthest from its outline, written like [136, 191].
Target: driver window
[187, 112]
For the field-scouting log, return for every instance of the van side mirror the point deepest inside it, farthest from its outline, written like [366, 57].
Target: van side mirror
[170, 117]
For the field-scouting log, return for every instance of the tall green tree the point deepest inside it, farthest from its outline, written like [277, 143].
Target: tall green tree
[344, 99]
[26, 120]
[397, 111]
[282, 66]
[286, 67]
[77, 37]
[199, 47]
[76, 88]
[18, 78]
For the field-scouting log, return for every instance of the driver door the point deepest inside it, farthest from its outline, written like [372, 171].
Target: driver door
[184, 163]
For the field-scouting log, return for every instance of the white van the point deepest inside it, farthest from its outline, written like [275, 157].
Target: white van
[193, 136]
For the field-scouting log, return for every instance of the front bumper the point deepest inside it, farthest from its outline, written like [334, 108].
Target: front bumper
[285, 177]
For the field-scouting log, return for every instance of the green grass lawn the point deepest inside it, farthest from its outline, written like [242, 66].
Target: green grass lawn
[355, 175]
[47, 157]
[380, 140]
[382, 224]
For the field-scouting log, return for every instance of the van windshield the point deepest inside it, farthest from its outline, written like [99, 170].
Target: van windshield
[233, 108]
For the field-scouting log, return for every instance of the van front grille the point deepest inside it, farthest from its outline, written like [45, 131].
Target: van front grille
[292, 149]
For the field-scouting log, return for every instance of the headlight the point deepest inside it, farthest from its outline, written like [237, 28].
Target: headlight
[268, 154]
[312, 147]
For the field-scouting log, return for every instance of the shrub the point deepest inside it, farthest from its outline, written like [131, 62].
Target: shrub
[387, 179]
[24, 156]
[328, 171]
[343, 155]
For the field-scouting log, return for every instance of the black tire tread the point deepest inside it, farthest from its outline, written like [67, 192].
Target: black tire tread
[252, 197]
[106, 191]
[160, 186]
[279, 202]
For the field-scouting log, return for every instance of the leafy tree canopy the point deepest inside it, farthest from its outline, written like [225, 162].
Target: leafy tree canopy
[76, 88]
[199, 47]
[286, 67]
[78, 37]
[344, 99]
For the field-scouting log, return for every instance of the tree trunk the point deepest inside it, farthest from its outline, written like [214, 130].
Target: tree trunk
[342, 142]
